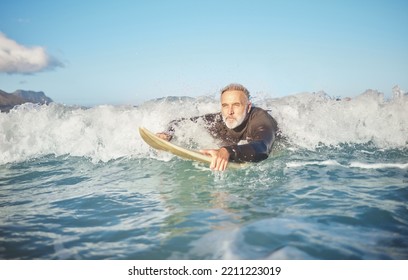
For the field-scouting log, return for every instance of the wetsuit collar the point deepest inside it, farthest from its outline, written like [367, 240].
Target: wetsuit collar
[244, 123]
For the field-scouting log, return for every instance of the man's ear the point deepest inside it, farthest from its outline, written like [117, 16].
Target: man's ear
[249, 106]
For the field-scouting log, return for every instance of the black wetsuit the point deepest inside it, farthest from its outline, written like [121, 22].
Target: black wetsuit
[259, 130]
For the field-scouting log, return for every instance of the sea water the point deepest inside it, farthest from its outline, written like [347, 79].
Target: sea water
[79, 183]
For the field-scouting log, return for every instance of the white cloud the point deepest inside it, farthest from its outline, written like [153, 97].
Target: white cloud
[16, 58]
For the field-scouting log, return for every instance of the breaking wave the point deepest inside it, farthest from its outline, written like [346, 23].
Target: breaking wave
[103, 133]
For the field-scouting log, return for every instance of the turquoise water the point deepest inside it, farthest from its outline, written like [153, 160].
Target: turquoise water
[79, 183]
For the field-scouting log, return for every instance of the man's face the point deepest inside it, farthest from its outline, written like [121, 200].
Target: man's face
[234, 108]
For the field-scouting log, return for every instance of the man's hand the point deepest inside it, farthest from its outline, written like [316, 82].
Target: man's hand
[219, 158]
[164, 136]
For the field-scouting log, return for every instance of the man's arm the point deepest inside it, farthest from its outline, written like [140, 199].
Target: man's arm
[253, 152]
[171, 128]
[262, 133]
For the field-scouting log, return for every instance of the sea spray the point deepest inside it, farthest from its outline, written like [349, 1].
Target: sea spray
[106, 132]
[309, 120]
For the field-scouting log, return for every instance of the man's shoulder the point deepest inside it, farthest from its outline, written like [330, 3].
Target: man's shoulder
[257, 111]
[262, 116]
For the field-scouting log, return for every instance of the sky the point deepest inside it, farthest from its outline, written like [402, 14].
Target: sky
[126, 52]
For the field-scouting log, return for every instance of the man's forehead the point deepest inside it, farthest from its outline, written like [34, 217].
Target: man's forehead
[234, 95]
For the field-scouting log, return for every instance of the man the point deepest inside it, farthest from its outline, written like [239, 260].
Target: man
[238, 122]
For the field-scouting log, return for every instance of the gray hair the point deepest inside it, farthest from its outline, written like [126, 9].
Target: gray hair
[238, 87]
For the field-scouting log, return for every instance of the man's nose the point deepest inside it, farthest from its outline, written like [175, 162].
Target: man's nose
[230, 110]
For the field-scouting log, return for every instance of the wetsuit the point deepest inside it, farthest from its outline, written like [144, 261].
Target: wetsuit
[258, 130]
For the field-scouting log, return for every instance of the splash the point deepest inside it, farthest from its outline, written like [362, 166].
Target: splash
[309, 120]
[107, 132]
[100, 133]
[354, 164]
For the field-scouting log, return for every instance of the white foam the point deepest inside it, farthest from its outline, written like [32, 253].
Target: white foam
[311, 119]
[296, 164]
[379, 165]
[109, 132]
[101, 133]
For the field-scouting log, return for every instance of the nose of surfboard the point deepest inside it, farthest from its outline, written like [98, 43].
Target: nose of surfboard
[160, 144]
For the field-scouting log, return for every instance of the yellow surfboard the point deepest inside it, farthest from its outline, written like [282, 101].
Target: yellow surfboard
[159, 144]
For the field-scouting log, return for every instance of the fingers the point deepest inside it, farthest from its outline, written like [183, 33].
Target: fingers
[218, 164]
[205, 152]
[164, 136]
[218, 160]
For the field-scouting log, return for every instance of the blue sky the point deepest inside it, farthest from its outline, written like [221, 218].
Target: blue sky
[125, 52]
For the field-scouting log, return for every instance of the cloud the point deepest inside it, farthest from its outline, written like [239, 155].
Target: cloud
[16, 58]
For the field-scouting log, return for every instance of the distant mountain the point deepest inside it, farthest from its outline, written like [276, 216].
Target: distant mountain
[9, 100]
[33, 96]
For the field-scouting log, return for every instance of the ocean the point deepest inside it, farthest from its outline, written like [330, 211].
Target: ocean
[79, 183]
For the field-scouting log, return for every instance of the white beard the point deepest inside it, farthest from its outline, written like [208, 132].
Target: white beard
[231, 124]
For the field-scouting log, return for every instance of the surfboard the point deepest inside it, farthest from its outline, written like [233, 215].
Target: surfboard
[160, 144]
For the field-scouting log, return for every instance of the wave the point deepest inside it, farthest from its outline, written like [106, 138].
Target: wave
[354, 164]
[310, 120]
[103, 133]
